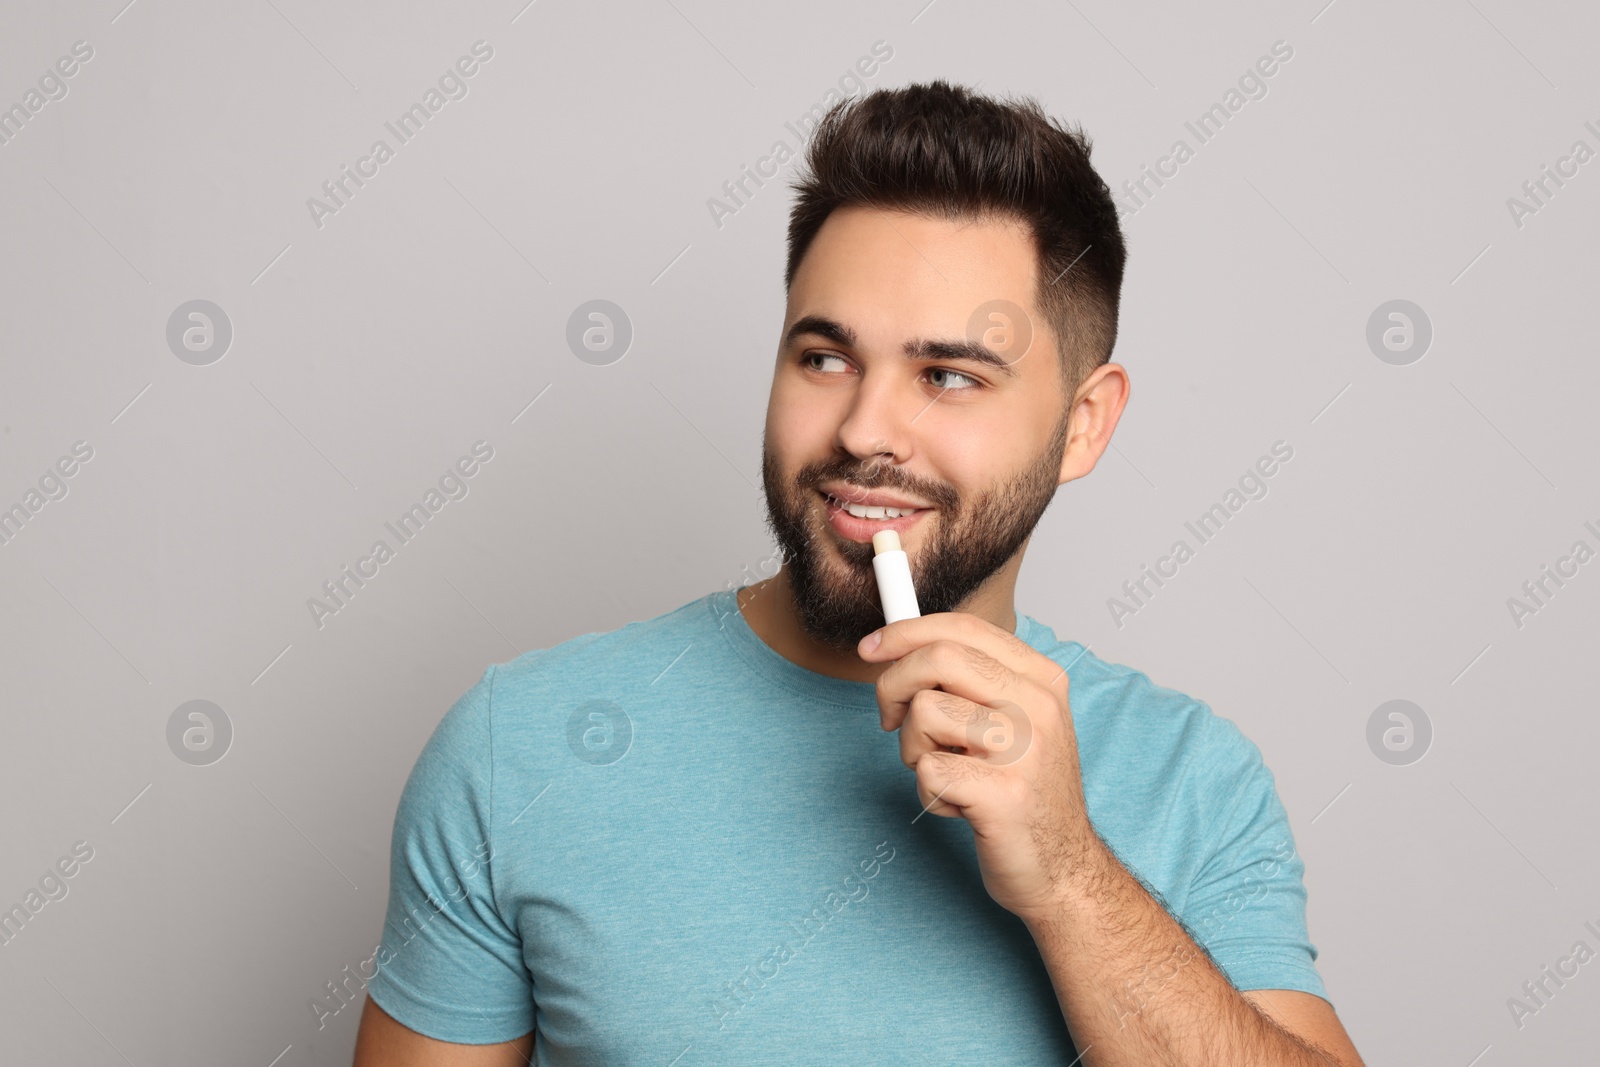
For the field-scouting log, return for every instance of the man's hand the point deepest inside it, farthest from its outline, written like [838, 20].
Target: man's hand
[985, 723]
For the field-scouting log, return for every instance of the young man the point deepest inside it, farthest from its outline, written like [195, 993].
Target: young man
[746, 831]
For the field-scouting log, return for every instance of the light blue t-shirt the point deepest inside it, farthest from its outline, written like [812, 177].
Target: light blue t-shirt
[668, 844]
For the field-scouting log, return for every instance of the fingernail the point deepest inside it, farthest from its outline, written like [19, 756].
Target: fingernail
[872, 641]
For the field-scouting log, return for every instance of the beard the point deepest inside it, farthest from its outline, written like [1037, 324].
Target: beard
[832, 581]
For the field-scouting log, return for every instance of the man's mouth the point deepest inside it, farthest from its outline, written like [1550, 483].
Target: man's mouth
[857, 522]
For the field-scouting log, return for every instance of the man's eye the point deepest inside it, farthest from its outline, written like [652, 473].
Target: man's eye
[810, 356]
[954, 381]
[973, 382]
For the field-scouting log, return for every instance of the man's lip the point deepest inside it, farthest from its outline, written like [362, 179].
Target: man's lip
[867, 497]
[851, 528]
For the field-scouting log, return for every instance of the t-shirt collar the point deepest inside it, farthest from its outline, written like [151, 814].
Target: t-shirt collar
[768, 662]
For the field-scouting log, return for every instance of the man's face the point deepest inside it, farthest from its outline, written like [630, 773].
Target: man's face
[977, 446]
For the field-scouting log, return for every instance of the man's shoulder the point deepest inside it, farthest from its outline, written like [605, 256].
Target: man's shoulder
[627, 649]
[1123, 705]
[1153, 755]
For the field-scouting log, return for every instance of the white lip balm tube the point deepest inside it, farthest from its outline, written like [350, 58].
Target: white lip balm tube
[893, 569]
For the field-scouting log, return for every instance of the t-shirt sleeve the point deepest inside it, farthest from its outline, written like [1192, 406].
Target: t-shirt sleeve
[449, 965]
[1247, 904]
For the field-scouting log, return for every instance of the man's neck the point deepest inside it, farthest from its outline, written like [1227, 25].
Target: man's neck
[768, 608]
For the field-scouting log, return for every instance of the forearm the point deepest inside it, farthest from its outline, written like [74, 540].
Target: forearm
[1136, 990]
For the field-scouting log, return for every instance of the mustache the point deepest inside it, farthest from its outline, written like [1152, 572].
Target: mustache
[876, 478]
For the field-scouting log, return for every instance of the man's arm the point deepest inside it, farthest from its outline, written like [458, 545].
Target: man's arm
[383, 1042]
[1136, 990]
[997, 745]
[450, 964]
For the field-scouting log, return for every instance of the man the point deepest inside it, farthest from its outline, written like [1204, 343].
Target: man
[765, 827]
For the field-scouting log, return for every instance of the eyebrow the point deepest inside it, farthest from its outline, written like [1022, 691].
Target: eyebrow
[916, 348]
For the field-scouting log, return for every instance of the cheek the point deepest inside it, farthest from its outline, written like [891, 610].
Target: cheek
[960, 466]
[802, 411]
[799, 434]
[977, 459]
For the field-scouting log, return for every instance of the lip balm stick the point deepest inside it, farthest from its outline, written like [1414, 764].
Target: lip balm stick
[893, 570]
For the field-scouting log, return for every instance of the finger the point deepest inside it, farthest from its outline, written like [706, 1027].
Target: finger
[940, 721]
[953, 667]
[899, 639]
[949, 784]
[937, 721]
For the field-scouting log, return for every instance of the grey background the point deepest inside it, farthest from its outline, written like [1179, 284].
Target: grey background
[431, 311]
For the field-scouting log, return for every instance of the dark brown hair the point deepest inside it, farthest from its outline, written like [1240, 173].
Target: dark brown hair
[945, 151]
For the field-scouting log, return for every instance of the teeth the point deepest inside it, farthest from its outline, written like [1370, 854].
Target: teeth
[862, 511]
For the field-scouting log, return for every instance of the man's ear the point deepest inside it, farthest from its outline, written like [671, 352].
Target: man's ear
[1096, 407]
